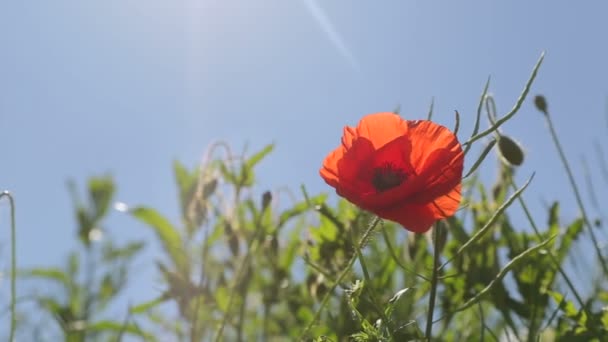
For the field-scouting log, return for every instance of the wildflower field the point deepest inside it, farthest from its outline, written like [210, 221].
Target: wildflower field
[413, 247]
[303, 170]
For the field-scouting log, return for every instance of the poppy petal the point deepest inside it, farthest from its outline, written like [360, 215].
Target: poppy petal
[355, 162]
[446, 205]
[441, 173]
[382, 128]
[417, 218]
[348, 136]
[427, 137]
[329, 171]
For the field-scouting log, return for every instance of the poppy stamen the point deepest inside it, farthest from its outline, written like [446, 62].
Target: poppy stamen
[388, 176]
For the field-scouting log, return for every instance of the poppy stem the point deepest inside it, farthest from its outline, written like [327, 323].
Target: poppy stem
[434, 281]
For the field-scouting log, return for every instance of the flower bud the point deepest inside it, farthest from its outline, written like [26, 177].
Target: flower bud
[541, 104]
[510, 151]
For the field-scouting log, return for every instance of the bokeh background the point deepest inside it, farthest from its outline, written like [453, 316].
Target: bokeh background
[126, 87]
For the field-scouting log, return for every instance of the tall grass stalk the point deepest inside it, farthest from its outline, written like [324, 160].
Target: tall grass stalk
[13, 265]
[577, 194]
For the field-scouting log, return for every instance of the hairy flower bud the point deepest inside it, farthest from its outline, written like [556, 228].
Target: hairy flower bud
[510, 151]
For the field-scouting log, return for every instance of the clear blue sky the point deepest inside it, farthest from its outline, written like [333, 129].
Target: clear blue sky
[127, 86]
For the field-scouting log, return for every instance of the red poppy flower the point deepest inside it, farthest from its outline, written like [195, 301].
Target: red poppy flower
[405, 171]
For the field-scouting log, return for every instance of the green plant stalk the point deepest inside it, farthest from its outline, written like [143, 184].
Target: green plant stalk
[485, 326]
[534, 322]
[349, 265]
[391, 250]
[13, 266]
[490, 222]
[457, 123]
[239, 331]
[368, 280]
[483, 322]
[577, 194]
[560, 269]
[514, 110]
[434, 281]
[481, 158]
[89, 293]
[478, 117]
[318, 268]
[251, 248]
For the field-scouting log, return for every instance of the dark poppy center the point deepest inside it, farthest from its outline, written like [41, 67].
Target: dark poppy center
[388, 176]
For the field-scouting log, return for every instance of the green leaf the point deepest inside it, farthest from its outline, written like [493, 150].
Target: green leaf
[101, 191]
[50, 304]
[143, 307]
[119, 327]
[182, 178]
[53, 274]
[73, 264]
[481, 158]
[222, 298]
[111, 253]
[85, 225]
[228, 175]
[247, 177]
[107, 289]
[300, 209]
[168, 235]
[256, 158]
[571, 234]
[565, 305]
[553, 221]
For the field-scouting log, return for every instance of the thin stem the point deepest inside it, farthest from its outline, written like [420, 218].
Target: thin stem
[349, 265]
[89, 280]
[13, 265]
[391, 250]
[434, 281]
[483, 321]
[518, 103]
[577, 194]
[368, 280]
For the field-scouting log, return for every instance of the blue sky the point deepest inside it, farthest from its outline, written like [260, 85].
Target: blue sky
[126, 87]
